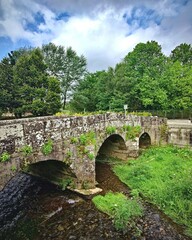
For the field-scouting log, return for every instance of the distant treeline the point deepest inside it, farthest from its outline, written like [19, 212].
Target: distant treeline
[45, 80]
[145, 79]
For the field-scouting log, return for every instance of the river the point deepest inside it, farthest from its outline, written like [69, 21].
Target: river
[33, 209]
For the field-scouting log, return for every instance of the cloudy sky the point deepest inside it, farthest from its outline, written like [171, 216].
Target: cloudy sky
[104, 31]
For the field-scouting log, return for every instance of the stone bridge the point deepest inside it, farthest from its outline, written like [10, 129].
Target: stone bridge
[76, 141]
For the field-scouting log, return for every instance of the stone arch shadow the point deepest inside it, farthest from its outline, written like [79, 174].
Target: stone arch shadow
[190, 138]
[113, 146]
[144, 140]
[52, 170]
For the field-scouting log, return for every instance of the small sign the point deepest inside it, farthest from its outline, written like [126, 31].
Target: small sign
[125, 107]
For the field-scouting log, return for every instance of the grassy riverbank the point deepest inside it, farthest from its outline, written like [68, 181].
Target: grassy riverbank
[164, 176]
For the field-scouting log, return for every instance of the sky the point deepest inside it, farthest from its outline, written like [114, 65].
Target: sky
[104, 31]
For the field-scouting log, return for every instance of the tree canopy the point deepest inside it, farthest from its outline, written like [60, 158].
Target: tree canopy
[66, 66]
[41, 80]
[145, 79]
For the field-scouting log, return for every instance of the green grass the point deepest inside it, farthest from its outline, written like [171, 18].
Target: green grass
[164, 176]
[121, 209]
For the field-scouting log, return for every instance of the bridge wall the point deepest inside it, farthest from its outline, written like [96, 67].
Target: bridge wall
[180, 132]
[65, 134]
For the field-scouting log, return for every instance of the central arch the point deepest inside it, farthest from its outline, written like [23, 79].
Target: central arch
[113, 146]
[144, 140]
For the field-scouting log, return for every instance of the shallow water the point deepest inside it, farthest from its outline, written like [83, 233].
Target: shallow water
[34, 209]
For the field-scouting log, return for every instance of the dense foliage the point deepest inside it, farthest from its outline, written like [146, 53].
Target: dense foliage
[145, 79]
[164, 176]
[43, 80]
[35, 81]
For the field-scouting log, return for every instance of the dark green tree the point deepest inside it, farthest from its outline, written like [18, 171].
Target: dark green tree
[137, 78]
[6, 86]
[32, 86]
[182, 53]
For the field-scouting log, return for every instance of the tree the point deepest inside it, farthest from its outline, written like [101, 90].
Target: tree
[83, 97]
[33, 87]
[6, 86]
[137, 78]
[178, 85]
[65, 65]
[182, 53]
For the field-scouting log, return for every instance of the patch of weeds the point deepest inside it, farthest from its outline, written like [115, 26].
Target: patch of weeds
[74, 140]
[13, 168]
[110, 129]
[87, 138]
[5, 157]
[47, 148]
[26, 150]
[65, 182]
[83, 139]
[91, 156]
[116, 205]
[69, 154]
[132, 131]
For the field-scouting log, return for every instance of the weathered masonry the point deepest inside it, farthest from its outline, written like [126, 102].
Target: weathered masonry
[76, 141]
[180, 132]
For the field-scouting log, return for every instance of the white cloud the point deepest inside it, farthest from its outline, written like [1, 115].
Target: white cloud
[96, 28]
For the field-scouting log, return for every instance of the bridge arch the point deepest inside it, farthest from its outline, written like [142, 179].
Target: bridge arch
[54, 171]
[113, 146]
[144, 140]
[190, 138]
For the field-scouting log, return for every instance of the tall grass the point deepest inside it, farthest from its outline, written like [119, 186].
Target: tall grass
[122, 210]
[164, 176]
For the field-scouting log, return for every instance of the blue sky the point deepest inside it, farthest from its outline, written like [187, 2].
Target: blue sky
[104, 31]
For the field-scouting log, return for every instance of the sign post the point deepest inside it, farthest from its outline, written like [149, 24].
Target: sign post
[125, 108]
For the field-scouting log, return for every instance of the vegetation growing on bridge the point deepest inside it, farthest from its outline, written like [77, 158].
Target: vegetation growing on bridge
[5, 156]
[26, 150]
[132, 131]
[164, 176]
[110, 129]
[47, 147]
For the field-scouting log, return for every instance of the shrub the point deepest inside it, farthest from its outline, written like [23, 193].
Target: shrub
[47, 148]
[5, 156]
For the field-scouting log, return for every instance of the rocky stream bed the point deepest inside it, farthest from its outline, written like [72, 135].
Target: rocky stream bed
[36, 210]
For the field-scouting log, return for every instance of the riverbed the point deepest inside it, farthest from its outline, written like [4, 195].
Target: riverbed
[35, 209]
